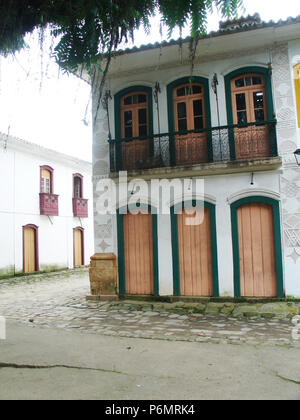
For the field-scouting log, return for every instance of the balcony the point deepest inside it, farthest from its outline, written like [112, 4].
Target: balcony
[80, 207]
[48, 204]
[234, 143]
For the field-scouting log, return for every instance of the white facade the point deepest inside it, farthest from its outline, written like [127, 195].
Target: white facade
[274, 47]
[20, 164]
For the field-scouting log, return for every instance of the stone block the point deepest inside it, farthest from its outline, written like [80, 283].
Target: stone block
[103, 276]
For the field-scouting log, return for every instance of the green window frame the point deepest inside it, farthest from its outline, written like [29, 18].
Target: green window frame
[170, 89]
[267, 74]
[277, 238]
[117, 108]
[175, 245]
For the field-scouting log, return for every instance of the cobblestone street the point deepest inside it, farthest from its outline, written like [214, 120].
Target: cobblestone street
[58, 300]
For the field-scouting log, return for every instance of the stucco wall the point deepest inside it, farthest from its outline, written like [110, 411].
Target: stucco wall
[282, 184]
[19, 206]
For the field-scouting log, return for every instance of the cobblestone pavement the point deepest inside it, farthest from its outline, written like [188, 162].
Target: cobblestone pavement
[58, 300]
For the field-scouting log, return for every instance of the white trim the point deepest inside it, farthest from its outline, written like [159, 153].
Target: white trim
[254, 192]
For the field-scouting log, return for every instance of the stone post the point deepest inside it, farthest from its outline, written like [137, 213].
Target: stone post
[103, 277]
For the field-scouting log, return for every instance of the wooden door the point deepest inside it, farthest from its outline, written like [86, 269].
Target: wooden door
[78, 247]
[29, 250]
[138, 249]
[46, 181]
[249, 106]
[195, 256]
[257, 250]
[189, 112]
[134, 123]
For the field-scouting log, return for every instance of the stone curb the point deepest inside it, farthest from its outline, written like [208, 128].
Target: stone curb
[263, 310]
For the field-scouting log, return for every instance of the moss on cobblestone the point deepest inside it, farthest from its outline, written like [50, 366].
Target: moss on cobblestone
[237, 310]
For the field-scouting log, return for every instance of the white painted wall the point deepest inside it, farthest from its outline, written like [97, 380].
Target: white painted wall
[19, 205]
[283, 184]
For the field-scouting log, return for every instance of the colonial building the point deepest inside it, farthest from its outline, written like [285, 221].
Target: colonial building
[45, 209]
[227, 112]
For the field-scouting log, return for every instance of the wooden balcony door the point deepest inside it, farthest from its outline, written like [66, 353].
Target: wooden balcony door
[135, 123]
[189, 113]
[249, 106]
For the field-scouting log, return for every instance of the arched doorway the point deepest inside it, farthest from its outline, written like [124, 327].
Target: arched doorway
[30, 249]
[257, 248]
[78, 247]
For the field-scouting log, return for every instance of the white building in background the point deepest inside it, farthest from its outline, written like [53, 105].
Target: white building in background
[231, 120]
[45, 209]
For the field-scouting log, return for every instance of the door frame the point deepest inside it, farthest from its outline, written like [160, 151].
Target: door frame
[82, 244]
[36, 238]
[121, 250]
[267, 73]
[171, 118]
[175, 245]
[277, 239]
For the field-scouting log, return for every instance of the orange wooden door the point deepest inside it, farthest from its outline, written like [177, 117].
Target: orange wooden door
[78, 249]
[257, 250]
[249, 106]
[29, 250]
[195, 257]
[189, 112]
[134, 123]
[138, 249]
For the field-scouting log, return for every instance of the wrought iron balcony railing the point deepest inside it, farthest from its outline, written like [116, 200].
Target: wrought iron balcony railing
[219, 144]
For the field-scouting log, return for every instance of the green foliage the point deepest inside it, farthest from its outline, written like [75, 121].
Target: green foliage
[85, 29]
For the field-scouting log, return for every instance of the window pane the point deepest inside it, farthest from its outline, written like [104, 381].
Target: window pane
[198, 109]
[128, 117]
[142, 116]
[181, 110]
[240, 101]
[242, 117]
[135, 99]
[128, 132]
[240, 83]
[258, 99]
[198, 123]
[182, 125]
[256, 80]
[181, 91]
[248, 81]
[128, 100]
[143, 131]
[259, 115]
[197, 89]
[142, 99]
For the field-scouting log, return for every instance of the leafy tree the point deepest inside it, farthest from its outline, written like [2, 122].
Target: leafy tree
[86, 30]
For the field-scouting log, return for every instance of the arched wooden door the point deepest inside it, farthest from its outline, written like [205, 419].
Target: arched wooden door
[250, 107]
[78, 248]
[195, 254]
[189, 114]
[134, 124]
[30, 257]
[138, 254]
[257, 250]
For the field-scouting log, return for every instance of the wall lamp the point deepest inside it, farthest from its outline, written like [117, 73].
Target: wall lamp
[297, 156]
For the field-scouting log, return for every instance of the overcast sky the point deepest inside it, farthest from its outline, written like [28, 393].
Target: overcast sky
[48, 108]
